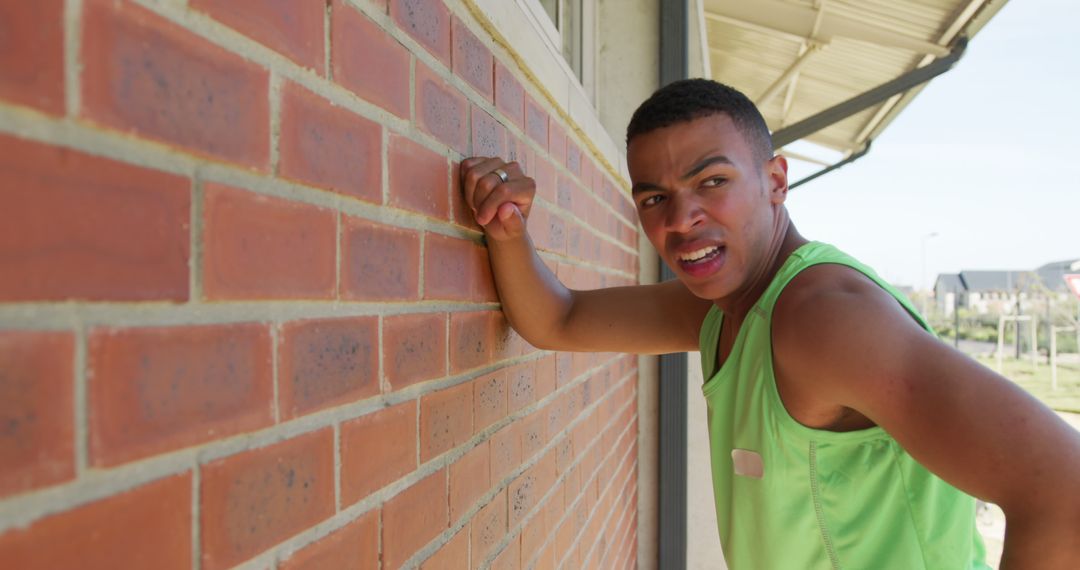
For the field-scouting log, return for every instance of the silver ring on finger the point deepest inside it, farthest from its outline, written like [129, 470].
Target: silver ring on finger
[501, 174]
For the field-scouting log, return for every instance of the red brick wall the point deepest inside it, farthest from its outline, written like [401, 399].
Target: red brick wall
[244, 318]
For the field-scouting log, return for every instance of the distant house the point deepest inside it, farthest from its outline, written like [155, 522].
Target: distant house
[984, 291]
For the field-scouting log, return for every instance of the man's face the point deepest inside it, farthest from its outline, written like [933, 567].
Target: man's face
[706, 202]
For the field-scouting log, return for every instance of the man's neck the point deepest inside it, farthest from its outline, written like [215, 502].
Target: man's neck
[784, 240]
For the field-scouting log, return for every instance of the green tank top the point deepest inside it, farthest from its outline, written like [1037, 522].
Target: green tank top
[793, 497]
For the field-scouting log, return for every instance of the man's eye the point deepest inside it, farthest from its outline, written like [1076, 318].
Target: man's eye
[714, 181]
[652, 200]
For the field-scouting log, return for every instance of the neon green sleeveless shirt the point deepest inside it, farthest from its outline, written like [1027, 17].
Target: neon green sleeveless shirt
[793, 497]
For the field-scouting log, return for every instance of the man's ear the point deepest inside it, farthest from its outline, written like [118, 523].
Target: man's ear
[776, 178]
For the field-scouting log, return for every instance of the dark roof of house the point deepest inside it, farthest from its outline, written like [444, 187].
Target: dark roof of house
[997, 280]
[1053, 274]
[1050, 275]
[949, 282]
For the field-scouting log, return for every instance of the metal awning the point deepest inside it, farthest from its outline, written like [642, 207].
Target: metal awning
[836, 72]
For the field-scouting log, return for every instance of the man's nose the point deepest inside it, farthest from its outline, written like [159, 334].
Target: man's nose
[684, 214]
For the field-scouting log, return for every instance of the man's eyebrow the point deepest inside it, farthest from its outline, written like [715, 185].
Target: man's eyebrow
[643, 187]
[694, 171]
[697, 168]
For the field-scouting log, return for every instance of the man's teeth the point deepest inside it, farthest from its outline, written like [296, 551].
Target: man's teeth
[698, 254]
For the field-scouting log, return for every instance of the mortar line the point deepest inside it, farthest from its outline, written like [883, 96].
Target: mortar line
[196, 523]
[274, 93]
[328, 22]
[81, 399]
[195, 277]
[73, 12]
[275, 338]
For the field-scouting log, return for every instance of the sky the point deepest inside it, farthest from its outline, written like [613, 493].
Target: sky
[987, 157]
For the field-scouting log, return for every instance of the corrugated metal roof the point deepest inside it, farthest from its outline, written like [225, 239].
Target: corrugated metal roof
[796, 58]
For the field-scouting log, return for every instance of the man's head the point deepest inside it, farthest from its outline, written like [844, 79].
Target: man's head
[708, 190]
[689, 99]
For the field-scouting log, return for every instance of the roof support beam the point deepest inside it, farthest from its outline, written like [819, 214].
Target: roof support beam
[856, 156]
[788, 75]
[839, 112]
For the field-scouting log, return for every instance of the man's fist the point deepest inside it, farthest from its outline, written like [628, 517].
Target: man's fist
[499, 194]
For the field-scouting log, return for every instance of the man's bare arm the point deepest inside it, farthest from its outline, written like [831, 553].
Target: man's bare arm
[638, 319]
[858, 348]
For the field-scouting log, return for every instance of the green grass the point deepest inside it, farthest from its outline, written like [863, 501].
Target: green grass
[1037, 381]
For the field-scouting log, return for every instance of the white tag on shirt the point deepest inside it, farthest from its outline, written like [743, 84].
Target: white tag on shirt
[748, 463]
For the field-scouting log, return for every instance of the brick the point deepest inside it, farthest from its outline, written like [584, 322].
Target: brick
[573, 158]
[37, 446]
[509, 95]
[376, 450]
[441, 109]
[510, 557]
[546, 559]
[522, 496]
[457, 269]
[445, 420]
[505, 341]
[519, 152]
[489, 527]
[328, 146]
[146, 527]
[533, 536]
[544, 174]
[258, 247]
[520, 381]
[412, 518]
[489, 400]
[470, 478]
[547, 229]
[488, 136]
[428, 22]
[158, 389]
[533, 436]
[353, 547]
[379, 263]
[505, 451]
[414, 348]
[145, 75]
[294, 29]
[470, 340]
[536, 122]
[454, 555]
[546, 376]
[253, 500]
[32, 54]
[565, 190]
[80, 227]
[556, 141]
[327, 362]
[462, 213]
[472, 60]
[419, 178]
[368, 61]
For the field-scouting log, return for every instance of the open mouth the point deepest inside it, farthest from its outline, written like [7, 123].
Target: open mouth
[701, 262]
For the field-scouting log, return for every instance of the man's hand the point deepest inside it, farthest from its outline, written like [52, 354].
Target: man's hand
[501, 207]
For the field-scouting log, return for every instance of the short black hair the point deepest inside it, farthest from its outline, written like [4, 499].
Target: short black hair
[689, 99]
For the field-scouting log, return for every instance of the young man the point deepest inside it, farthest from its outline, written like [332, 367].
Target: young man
[840, 429]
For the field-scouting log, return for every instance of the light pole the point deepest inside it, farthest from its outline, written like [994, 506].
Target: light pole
[925, 239]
